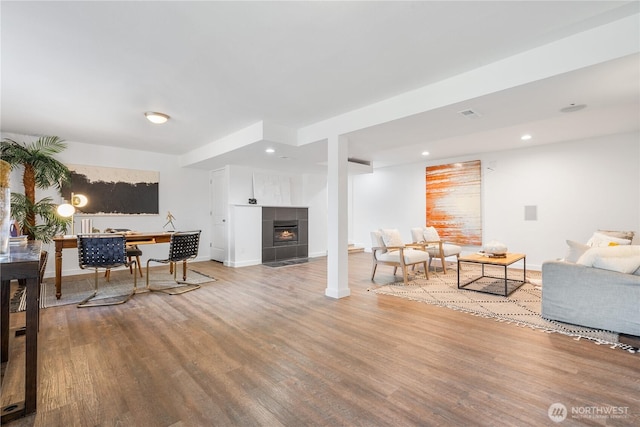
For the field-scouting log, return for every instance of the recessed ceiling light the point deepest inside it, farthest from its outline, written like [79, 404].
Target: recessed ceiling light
[525, 137]
[156, 118]
[425, 153]
[270, 150]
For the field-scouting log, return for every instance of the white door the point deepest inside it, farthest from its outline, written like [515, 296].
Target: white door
[219, 212]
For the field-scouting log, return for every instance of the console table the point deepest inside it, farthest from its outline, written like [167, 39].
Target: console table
[22, 264]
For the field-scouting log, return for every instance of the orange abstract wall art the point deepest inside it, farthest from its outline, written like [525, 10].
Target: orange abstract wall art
[454, 202]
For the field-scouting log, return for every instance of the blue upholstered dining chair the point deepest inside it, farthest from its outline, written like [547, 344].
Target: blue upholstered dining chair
[103, 251]
[183, 246]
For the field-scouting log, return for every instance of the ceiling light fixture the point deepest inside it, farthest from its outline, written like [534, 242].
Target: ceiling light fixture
[269, 150]
[425, 153]
[525, 137]
[156, 118]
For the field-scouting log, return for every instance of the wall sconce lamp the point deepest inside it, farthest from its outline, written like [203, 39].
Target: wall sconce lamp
[69, 209]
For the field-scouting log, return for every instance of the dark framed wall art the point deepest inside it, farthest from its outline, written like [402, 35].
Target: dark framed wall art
[114, 191]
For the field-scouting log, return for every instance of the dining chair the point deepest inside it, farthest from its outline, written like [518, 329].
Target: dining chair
[133, 251]
[183, 246]
[103, 251]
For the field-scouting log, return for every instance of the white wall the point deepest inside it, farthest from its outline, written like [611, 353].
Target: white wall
[184, 192]
[307, 190]
[577, 186]
[241, 185]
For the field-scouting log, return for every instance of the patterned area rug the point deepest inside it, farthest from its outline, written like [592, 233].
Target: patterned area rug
[522, 307]
[76, 289]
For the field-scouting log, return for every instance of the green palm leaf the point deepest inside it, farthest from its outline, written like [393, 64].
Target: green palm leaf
[41, 170]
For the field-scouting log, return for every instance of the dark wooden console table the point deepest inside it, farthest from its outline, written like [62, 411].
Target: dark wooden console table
[22, 264]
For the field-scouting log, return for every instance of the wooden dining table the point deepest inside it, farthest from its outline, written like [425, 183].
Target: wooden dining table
[131, 238]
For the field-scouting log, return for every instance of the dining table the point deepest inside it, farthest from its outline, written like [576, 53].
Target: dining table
[131, 238]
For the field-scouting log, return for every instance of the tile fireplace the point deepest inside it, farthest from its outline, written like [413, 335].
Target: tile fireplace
[284, 233]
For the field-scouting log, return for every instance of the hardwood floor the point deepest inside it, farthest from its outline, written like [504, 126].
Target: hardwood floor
[263, 346]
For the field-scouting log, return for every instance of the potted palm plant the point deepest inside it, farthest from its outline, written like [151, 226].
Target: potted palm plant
[37, 219]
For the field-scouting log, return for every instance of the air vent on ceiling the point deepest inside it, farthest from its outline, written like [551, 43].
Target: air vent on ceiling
[571, 108]
[359, 161]
[470, 114]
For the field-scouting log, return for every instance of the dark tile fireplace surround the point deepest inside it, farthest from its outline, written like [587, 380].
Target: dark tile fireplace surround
[285, 233]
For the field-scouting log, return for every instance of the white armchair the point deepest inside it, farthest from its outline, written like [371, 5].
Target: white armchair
[388, 249]
[430, 239]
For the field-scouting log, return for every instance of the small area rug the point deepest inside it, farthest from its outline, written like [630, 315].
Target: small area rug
[78, 288]
[522, 307]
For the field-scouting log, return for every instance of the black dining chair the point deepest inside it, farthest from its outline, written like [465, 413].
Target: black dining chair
[183, 246]
[103, 251]
[133, 251]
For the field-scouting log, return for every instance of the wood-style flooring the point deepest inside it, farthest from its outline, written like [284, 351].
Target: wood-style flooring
[263, 346]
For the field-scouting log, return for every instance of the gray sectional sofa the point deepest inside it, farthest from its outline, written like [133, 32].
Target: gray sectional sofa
[592, 297]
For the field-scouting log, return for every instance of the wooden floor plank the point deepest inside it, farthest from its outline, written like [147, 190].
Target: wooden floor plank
[264, 346]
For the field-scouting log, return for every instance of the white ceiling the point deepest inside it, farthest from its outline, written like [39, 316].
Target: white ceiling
[86, 71]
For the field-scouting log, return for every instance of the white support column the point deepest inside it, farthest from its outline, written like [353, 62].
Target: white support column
[338, 234]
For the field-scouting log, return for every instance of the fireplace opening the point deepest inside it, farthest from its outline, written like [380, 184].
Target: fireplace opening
[285, 232]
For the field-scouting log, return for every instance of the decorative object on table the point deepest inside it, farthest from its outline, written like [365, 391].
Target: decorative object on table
[252, 201]
[495, 248]
[67, 210]
[115, 190]
[453, 202]
[5, 208]
[182, 247]
[38, 220]
[170, 219]
[86, 226]
[14, 230]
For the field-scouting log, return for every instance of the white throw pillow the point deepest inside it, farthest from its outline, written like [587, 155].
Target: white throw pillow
[599, 240]
[417, 235]
[391, 237]
[431, 234]
[619, 234]
[623, 259]
[576, 250]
